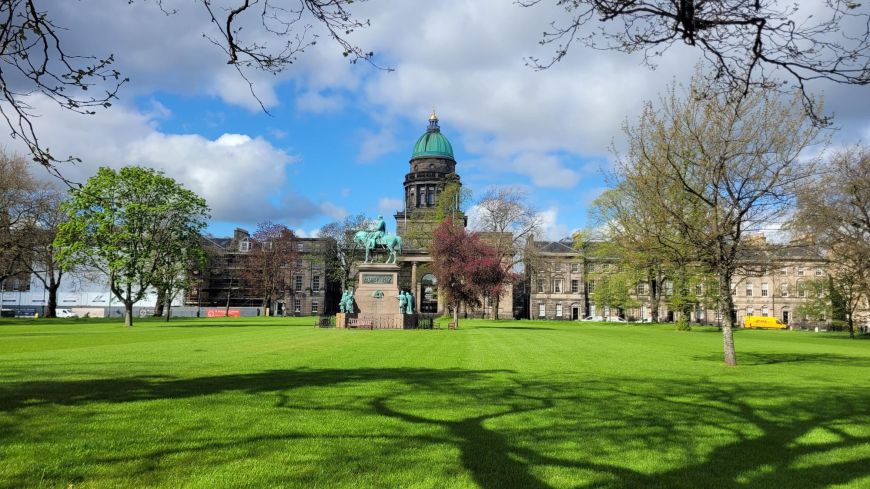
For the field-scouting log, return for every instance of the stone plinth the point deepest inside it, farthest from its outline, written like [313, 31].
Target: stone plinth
[377, 294]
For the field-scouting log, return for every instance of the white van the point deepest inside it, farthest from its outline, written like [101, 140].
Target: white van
[65, 313]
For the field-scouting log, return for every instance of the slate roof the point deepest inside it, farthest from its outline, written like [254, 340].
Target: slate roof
[562, 246]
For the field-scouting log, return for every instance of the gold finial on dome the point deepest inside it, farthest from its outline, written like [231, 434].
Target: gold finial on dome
[433, 117]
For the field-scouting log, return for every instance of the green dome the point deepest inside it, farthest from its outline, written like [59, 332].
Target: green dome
[433, 144]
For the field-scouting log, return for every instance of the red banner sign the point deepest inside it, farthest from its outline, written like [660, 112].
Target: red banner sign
[219, 313]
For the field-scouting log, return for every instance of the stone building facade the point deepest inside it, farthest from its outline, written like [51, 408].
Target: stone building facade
[561, 285]
[307, 289]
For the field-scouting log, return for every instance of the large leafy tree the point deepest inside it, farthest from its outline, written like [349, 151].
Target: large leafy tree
[837, 219]
[716, 168]
[467, 268]
[128, 223]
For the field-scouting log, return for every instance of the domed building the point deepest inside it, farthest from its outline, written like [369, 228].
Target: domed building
[432, 170]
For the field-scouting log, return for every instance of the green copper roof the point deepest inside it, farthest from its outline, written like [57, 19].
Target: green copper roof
[432, 143]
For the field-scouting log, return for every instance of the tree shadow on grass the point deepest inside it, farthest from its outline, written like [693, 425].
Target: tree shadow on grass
[752, 358]
[521, 327]
[513, 431]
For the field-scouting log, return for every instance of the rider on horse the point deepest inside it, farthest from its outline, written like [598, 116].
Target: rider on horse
[376, 237]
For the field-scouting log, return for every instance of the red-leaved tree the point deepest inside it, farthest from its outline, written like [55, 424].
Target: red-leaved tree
[467, 268]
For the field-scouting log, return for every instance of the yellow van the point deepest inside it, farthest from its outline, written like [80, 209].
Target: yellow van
[763, 322]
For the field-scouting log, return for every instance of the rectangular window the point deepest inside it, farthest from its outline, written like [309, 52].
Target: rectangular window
[542, 310]
[749, 311]
[314, 307]
[699, 290]
[764, 290]
[299, 263]
[783, 271]
[300, 247]
[590, 287]
[800, 271]
[298, 283]
[575, 267]
[764, 311]
[783, 290]
[297, 305]
[669, 287]
[818, 272]
[641, 289]
[802, 290]
[541, 286]
[748, 290]
[559, 310]
[557, 286]
[575, 286]
[557, 266]
[315, 283]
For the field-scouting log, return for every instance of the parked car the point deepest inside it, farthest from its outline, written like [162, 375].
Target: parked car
[616, 319]
[593, 318]
[65, 313]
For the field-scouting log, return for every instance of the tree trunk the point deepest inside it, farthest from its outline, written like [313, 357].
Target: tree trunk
[128, 313]
[456, 315]
[168, 310]
[851, 326]
[161, 302]
[51, 311]
[727, 324]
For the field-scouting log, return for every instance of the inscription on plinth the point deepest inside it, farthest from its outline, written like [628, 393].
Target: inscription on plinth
[377, 278]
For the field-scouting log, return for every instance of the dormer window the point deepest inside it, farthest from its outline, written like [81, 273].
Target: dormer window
[245, 245]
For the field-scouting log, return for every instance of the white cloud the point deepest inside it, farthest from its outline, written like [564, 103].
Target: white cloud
[243, 178]
[333, 210]
[388, 206]
[545, 170]
[317, 103]
[376, 144]
[550, 227]
[311, 233]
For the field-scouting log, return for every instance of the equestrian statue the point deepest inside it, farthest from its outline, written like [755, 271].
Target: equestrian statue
[378, 237]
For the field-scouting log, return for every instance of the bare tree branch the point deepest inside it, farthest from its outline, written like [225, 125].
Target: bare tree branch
[771, 44]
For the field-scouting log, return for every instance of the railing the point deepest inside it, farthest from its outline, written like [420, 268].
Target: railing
[424, 175]
[387, 321]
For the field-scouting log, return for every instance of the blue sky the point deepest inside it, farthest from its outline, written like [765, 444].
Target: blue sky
[338, 137]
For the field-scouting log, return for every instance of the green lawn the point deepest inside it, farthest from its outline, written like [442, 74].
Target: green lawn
[278, 403]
